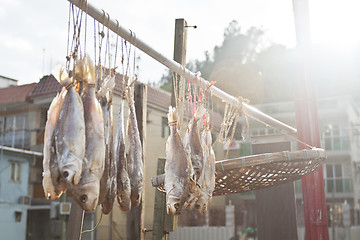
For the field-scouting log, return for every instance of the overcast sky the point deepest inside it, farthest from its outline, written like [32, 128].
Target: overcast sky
[34, 33]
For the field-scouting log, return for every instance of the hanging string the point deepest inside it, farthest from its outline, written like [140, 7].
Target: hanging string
[95, 45]
[97, 224]
[116, 48]
[101, 36]
[86, 10]
[68, 40]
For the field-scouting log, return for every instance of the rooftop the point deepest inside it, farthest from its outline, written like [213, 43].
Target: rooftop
[15, 94]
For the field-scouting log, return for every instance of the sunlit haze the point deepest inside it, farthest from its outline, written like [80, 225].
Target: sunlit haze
[34, 33]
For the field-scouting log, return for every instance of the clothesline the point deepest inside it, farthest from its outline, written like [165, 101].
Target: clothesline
[130, 36]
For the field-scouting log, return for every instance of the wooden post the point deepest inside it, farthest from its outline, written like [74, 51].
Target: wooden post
[180, 41]
[135, 221]
[75, 223]
[275, 206]
[163, 222]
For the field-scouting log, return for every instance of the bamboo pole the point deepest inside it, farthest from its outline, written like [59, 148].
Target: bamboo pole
[130, 36]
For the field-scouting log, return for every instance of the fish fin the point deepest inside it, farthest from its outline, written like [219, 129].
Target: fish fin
[192, 185]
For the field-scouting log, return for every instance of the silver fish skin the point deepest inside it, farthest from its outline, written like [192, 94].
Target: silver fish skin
[178, 169]
[70, 135]
[52, 180]
[110, 169]
[86, 192]
[193, 143]
[208, 177]
[134, 156]
[123, 181]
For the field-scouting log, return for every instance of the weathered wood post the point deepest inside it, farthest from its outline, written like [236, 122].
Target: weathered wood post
[275, 206]
[135, 217]
[75, 223]
[164, 223]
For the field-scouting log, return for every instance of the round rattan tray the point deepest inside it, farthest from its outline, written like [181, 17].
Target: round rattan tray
[259, 171]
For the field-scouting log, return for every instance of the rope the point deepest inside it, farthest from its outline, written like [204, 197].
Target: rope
[97, 224]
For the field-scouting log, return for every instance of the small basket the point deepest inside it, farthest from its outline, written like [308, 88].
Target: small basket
[265, 170]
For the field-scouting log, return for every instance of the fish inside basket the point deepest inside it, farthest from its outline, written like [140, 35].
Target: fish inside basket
[259, 171]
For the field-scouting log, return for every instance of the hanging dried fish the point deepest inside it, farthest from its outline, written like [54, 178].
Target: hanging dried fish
[52, 180]
[123, 181]
[208, 177]
[70, 133]
[178, 169]
[86, 193]
[108, 181]
[193, 144]
[134, 156]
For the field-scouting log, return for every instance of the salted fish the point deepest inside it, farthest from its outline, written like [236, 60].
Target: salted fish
[179, 183]
[108, 181]
[123, 181]
[208, 176]
[86, 192]
[134, 157]
[52, 180]
[70, 133]
[193, 144]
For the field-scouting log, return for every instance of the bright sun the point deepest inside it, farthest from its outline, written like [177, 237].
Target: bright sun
[335, 22]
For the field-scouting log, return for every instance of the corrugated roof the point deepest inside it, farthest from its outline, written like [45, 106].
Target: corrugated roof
[15, 94]
[47, 86]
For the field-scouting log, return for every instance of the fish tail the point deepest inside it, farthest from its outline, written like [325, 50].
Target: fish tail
[172, 115]
[61, 75]
[85, 70]
[200, 111]
[108, 85]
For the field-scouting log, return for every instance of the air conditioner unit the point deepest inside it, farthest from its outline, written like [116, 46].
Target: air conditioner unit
[26, 200]
[65, 208]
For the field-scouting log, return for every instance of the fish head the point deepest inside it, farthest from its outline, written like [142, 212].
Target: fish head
[135, 198]
[71, 173]
[174, 200]
[87, 195]
[173, 205]
[202, 204]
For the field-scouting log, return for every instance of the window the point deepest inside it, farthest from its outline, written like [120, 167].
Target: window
[335, 180]
[335, 138]
[165, 130]
[15, 171]
[14, 131]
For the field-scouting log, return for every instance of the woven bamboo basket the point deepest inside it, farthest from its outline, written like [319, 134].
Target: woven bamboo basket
[260, 171]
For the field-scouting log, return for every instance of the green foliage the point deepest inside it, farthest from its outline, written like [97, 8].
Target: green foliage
[242, 66]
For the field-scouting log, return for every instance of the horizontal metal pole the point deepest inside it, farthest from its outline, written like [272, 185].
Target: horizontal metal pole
[128, 35]
[18, 150]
